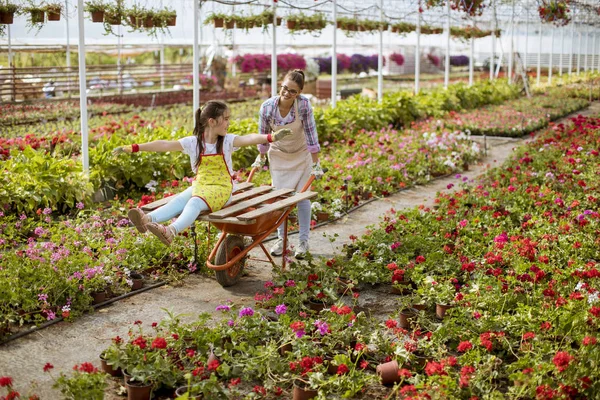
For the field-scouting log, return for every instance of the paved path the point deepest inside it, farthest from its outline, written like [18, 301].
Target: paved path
[65, 344]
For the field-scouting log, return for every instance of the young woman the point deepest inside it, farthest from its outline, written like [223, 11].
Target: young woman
[210, 151]
[293, 159]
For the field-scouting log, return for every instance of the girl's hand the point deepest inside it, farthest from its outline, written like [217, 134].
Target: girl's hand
[280, 134]
[122, 149]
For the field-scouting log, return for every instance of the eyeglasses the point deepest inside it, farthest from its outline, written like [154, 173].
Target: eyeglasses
[290, 91]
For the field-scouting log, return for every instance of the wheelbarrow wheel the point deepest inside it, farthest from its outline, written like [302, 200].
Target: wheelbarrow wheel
[231, 247]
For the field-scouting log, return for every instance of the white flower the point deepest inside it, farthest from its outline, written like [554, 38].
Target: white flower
[151, 186]
[592, 298]
[316, 206]
[579, 286]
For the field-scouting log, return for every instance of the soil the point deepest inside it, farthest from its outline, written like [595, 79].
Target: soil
[65, 344]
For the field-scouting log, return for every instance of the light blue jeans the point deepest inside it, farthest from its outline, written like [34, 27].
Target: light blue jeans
[303, 221]
[187, 207]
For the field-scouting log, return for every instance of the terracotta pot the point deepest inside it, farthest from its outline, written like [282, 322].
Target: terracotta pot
[218, 22]
[316, 305]
[138, 281]
[322, 216]
[6, 18]
[172, 21]
[440, 310]
[301, 392]
[98, 297]
[401, 288]
[229, 24]
[148, 22]
[109, 368]
[291, 24]
[97, 16]
[53, 15]
[135, 21]
[137, 390]
[388, 372]
[331, 367]
[279, 20]
[181, 390]
[419, 307]
[408, 317]
[113, 19]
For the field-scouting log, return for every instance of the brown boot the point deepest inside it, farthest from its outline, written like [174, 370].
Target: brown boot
[139, 219]
[164, 233]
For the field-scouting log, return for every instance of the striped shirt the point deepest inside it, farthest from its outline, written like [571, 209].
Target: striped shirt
[268, 112]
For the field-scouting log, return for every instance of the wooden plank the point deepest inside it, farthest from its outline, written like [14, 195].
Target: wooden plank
[230, 220]
[249, 193]
[278, 205]
[159, 203]
[236, 208]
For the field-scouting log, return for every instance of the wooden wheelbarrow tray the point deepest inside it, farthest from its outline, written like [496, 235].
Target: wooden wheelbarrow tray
[255, 212]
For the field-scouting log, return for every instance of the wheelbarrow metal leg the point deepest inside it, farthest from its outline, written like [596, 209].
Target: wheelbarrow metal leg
[194, 238]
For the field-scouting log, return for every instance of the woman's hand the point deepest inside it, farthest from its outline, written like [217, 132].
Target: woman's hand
[260, 161]
[122, 149]
[280, 134]
[317, 171]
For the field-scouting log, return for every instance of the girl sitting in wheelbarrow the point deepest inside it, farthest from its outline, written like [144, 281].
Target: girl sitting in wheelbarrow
[210, 151]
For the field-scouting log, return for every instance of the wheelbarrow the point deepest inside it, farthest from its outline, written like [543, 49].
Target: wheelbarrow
[253, 212]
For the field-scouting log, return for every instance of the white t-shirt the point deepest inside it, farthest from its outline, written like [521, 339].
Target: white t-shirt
[190, 147]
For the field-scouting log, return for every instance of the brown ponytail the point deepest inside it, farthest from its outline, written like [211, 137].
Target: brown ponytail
[212, 109]
[296, 76]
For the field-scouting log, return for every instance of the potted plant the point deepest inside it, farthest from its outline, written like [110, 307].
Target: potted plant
[7, 12]
[170, 15]
[36, 15]
[229, 22]
[137, 16]
[97, 9]
[85, 382]
[218, 19]
[53, 11]
[113, 15]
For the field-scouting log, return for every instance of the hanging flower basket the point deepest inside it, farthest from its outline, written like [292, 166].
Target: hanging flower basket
[291, 24]
[172, 21]
[148, 22]
[555, 11]
[53, 12]
[37, 16]
[218, 22]
[6, 18]
[112, 19]
[97, 16]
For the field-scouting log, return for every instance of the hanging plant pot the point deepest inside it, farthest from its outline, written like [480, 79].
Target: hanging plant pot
[230, 24]
[388, 372]
[7, 18]
[440, 310]
[291, 24]
[37, 17]
[279, 20]
[218, 22]
[97, 16]
[53, 13]
[172, 21]
[303, 392]
[148, 22]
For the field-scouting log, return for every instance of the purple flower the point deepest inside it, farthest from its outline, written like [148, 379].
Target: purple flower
[42, 297]
[322, 327]
[39, 231]
[80, 205]
[51, 316]
[230, 322]
[280, 309]
[223, 307]
[300, 333]
[246, 312]
[23, 217]
[47, 211]
[290, 283]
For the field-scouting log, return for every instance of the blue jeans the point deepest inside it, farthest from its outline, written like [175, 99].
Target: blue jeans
[303, 221]
[187, 207]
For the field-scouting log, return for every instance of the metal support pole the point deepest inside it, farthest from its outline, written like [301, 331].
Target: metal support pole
[447, 66]
[562, 50]
[334, 58]
[68, 54]
[82, 90]
[418, 50]
[11, 65]
[550, 60]
[526, 43]
[585, 49]
[380, 55]
[119, 66]
[233, 64]
[593, 53]
[493, 56]
[196, 59]
[539, 63]
[274, 53]
[512, 39]
[471, 57]
[579, 54]
[572, 46]
[162, 64]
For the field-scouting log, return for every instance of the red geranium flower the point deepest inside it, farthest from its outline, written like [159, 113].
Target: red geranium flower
[159, 343]
[5, 381]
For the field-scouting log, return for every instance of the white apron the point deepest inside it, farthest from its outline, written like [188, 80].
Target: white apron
[289, 160]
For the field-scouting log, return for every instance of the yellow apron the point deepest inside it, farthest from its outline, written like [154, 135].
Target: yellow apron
[213, 182]
[289, 160]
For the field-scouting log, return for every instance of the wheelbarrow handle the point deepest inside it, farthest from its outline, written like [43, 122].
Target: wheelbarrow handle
[252, 172]
[310, 181]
